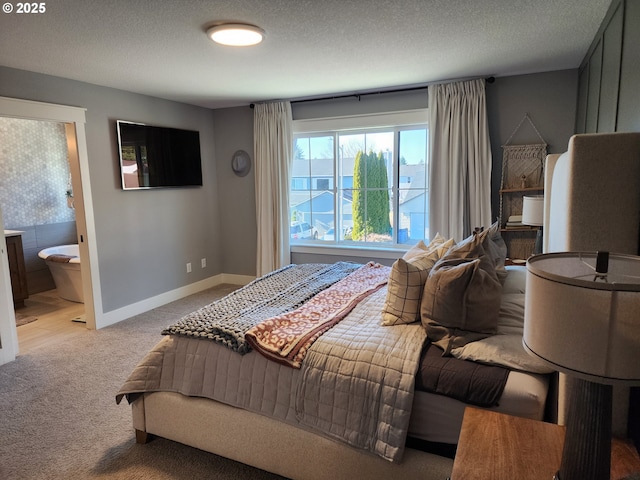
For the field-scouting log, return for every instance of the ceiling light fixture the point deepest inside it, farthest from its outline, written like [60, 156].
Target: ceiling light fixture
[236, 34]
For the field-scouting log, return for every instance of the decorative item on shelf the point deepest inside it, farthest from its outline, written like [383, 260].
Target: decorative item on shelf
[514, 222]
[533, 215]
[581, 319]
[523, 165]
[522, 173]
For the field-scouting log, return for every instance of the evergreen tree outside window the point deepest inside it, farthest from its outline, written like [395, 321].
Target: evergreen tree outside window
[371, 206]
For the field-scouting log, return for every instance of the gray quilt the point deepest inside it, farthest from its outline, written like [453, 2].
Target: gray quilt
[356, 383]
[228, 319]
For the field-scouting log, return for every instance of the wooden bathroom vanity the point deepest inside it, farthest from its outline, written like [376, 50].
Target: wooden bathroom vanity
[17, 268]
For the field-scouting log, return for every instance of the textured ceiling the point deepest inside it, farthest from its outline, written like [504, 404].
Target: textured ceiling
[312, 47]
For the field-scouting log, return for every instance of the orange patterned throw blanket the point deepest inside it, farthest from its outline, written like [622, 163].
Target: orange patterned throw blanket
[287, 337]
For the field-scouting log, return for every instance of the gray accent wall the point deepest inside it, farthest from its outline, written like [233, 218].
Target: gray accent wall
[237, 195]
[360, 105]
[549, 99]
[610, 74]
[144, 238]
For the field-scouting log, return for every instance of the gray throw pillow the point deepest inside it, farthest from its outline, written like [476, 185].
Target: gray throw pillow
[496, 248]
[461, 298]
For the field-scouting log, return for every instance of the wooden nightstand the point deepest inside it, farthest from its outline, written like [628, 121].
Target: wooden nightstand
[503, 447]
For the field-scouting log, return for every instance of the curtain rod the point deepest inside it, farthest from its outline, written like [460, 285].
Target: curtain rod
[358, 95]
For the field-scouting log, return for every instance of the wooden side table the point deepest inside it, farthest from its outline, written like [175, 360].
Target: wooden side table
[503, 447]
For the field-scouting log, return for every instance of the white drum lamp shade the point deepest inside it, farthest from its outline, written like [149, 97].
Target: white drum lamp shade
[533, 214]
[582, 317]
[533, 210]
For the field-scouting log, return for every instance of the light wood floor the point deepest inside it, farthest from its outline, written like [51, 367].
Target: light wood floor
[54, 321]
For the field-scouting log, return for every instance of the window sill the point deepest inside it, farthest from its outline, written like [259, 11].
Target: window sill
[350, 250]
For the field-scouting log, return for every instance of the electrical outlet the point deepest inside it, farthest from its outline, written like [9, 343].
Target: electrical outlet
[189, 267]
[203, 262]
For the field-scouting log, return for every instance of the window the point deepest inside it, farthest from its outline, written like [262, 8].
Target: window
[355, 182]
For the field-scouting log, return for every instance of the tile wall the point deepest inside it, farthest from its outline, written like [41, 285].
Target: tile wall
[34, 178]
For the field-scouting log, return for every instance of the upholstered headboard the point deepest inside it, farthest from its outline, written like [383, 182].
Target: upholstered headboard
[592, 195]
[592, 202]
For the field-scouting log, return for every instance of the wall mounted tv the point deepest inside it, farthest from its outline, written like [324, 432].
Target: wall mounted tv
[155, 157]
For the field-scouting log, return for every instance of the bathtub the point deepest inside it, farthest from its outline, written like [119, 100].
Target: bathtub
[65, 271]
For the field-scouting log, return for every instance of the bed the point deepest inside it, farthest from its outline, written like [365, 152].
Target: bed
[595, 166]
[362, 402]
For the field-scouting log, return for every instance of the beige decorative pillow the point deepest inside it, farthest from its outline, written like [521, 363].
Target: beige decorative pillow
[444, 247]
[461, 298]
[404, 290]
[421, 248]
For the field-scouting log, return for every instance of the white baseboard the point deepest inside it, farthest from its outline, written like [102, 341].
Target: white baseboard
[234, 279]
[115, 316]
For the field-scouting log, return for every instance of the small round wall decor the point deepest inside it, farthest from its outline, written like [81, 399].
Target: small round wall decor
[241, 163]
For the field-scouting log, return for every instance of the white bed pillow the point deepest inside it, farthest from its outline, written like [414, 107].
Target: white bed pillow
[505, 350]
[516, 280]
[511, 316]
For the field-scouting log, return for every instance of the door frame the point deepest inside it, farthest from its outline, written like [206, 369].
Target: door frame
[74, 121]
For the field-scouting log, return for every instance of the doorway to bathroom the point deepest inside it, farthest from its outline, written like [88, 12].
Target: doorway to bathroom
[70, 121]
[38, 210]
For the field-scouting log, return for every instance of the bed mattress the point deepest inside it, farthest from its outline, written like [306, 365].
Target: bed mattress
[434, 418]
[438, 419]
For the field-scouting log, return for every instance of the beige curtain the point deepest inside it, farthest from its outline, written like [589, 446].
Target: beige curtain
[273, 146]
[460, 159]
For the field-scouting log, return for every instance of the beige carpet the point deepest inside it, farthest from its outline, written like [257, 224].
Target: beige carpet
[24, 319]
[59, 418]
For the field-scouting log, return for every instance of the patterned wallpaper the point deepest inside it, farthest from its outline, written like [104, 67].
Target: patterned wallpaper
[34, 173]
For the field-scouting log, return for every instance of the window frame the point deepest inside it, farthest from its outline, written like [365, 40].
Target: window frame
[417, 118]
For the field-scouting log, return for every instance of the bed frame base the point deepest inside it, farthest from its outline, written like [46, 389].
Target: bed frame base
[269, 444]
[142, 437]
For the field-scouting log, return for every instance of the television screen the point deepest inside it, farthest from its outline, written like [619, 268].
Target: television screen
[153, 157]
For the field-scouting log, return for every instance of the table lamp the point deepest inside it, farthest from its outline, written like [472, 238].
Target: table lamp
[533, 214]
[582, 317]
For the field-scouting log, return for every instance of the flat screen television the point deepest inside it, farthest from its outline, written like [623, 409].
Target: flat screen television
[156, 157]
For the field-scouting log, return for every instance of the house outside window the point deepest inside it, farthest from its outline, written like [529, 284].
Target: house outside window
[361, 181]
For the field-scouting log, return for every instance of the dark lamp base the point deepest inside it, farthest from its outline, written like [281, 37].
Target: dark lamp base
[587, 447]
